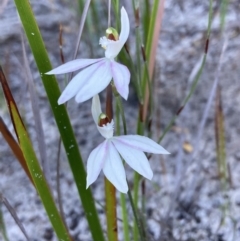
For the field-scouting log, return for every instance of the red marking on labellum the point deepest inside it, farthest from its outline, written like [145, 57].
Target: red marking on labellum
[111, 37]
[103, 120]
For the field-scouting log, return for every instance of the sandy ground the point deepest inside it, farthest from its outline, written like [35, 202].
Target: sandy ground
[186, 200]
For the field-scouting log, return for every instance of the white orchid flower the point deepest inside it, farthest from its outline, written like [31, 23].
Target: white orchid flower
[99, 72]
[107, 156]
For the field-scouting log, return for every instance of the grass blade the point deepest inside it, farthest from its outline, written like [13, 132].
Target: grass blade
[151, 48]
[33, 164]
[14, 147]
[69, 141]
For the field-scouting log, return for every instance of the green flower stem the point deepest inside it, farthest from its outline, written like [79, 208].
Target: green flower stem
[110, 194]
[69, 141]
[125, 217]
[135, 203]
[143, 203]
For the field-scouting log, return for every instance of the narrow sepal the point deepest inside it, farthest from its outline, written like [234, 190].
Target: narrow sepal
[72, 66]
[125, 26]
[135, 159]
[121, 78]
[113, 169]
[95, 162]
[141, 143]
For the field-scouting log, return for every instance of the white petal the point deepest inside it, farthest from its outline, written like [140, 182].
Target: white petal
[96, 108]
[114, 47]
[135, 159]
[96, 162]
[121, 77]
[113, 169]
[107, 130]
[141, 143]
[98, 81]
[125, 28]
[73, 65]
[77, 82]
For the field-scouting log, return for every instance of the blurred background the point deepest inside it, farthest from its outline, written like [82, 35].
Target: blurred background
[195, 192]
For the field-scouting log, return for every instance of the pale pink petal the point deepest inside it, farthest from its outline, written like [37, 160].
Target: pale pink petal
[77, 82]
[72, 66]
[96, 108]
[141, 143]
[96, 162]
[135, 159]
[121, 78]
[113, 169]
[125, 26]
[98, 81]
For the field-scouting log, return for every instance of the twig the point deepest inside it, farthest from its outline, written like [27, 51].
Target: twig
[81, 25]
[14, 215]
